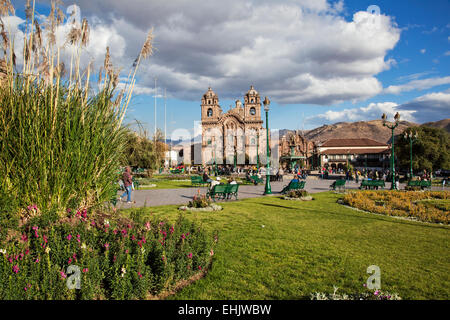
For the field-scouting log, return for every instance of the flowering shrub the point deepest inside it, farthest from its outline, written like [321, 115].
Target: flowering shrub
[403, 204]
[113, 257]
[297, 194]
[200, 201]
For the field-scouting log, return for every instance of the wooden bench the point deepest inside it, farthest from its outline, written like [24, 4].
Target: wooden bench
[294, 186]
[338, 184]
[198, 181]
[372, 184]
[417, 183]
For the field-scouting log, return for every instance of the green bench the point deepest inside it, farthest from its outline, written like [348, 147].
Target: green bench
[175, 171]
[372, 184]
[254, 179]
[223, 191]
[294, 186]
[338, 184]
[418, 183]
[198, 181]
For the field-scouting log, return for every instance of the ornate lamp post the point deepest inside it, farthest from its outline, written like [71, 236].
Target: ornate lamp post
[392, 127]
[268, 189]
[257, 150]
[412, 137]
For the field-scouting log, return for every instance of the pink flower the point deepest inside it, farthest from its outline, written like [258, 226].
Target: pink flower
[126, 251]
[15, 268]
[78, 238]
[139, 274]
[85, 270]
[106, 245]
[37, 260]
[63, 275]
[190, 255]
[199, 267]
[27, 251]
[133, 237]
[140, 244]
[115, 231]
[129, 226]
[69, 237]
[70, 261]
[24, 237]
[172, 229]
[376, 293]
[211, 253]
[147, 225]
[183, 236]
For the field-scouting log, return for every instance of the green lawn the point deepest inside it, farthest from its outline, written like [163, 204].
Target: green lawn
[277, 249]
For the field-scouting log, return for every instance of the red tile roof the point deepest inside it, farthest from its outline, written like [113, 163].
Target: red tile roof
[355, 151]
[353, 143]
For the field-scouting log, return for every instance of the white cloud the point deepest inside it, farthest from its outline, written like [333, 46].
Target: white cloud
[295, 51]
[447, 53]
[430, 107]
[418, 85]
[423, 51]
[371, 112]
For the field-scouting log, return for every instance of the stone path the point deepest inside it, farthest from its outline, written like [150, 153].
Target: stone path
[158, 197]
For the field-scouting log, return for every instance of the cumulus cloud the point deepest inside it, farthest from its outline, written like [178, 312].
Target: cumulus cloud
[295, 51]
[426, 108]
[370, 112]
[430, 107]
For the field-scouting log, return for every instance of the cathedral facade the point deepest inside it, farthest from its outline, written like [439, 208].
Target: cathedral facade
[235, 137]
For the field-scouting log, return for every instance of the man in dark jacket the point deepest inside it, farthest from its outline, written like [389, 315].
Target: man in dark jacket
[127, 182]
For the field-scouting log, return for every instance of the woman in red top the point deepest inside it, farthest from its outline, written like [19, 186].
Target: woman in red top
[127, 182]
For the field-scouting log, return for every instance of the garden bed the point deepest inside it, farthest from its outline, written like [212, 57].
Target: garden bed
[211, 207]
[427, 206]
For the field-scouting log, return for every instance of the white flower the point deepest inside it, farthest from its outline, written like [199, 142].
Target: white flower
[83, 246]
[106, 222]
[123, 271]
[3, 251]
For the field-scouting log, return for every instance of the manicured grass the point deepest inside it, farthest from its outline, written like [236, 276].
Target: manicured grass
[277, 249]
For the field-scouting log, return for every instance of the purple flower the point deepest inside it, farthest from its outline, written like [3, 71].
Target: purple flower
[190, 255]
[15, 268]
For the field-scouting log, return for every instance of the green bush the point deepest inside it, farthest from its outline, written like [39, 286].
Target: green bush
[118, 258]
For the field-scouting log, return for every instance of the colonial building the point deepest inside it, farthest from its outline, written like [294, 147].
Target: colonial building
[296, 151]
[233, 137]
[361, 153]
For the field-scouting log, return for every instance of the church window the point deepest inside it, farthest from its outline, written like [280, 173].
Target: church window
[252, 111]
[209, 113]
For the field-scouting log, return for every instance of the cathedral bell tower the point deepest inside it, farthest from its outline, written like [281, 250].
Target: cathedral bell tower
[252, 105]
[211, 110]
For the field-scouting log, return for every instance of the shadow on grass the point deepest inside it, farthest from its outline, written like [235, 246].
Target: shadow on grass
[277, 206]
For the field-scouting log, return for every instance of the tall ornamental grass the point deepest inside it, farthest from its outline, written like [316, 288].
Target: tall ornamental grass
[61, 143]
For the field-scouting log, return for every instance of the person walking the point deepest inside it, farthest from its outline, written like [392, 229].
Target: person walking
[127, 183]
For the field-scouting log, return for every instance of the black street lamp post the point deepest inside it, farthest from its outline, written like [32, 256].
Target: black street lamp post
[268, 189]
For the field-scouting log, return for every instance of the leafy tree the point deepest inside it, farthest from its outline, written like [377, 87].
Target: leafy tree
[144, 152]
[430, 150]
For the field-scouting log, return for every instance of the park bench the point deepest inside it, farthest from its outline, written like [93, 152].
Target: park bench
[294, 186]
[418, 183]
[198, 181]
[372, 184]
[254, 179]
[223, 191]
[231, 190]
[175, 171]
[136, 183]
[338, 184]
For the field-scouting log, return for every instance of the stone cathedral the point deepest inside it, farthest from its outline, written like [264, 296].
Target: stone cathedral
[236, 136]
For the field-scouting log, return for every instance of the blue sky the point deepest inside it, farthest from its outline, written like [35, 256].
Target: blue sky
[319, 62]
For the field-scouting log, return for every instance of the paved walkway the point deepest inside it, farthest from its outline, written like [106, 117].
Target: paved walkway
[158, 197]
